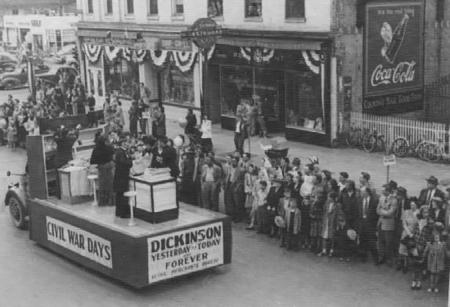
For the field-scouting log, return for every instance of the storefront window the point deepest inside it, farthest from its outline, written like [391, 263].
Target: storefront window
[215, 8]
[304, 105]
[253, 8]
[177, 87]
[122, 76]
[237, 84]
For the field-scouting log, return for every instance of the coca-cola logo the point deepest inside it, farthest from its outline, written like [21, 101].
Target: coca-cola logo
[403, 73]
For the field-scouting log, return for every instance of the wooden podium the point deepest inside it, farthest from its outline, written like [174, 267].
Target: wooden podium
[156, 200]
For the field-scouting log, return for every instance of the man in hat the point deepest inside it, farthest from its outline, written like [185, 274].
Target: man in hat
[431, 191]
[343, 177]
[387, 209]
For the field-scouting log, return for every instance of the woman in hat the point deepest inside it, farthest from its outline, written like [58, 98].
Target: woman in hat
[410, 222]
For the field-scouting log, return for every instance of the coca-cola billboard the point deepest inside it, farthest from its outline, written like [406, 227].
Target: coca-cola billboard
[393, 78]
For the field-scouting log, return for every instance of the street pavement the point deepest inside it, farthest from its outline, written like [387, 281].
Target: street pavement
[261, 273]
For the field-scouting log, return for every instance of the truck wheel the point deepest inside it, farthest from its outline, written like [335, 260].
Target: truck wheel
[17, 212]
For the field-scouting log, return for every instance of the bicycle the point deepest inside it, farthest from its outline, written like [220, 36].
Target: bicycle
[403, 147]
[374, 142]
[437, 151]
[355, 136]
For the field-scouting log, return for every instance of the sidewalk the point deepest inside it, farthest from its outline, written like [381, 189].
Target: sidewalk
[408, 172]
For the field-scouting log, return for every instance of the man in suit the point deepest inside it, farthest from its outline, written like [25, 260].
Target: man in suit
[367, 224]
[210, 181]
[386, 209]
[349, 202]
[431, 191]
[234, 187]
[240, 134]
[123, 163]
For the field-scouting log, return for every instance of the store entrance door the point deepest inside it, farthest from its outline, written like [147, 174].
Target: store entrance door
[96, 85]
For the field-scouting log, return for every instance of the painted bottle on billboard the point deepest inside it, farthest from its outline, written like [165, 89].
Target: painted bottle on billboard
[397, 40]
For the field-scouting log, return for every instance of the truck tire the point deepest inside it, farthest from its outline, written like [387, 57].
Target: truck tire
[17, 212]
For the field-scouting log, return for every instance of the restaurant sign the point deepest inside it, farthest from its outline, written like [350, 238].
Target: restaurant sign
[393, 57]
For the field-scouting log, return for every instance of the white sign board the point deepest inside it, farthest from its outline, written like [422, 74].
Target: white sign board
[389, 160]
[79, 241]
[185, 251]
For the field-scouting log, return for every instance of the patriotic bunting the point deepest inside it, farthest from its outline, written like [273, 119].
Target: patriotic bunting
[184, 60]
[112, 53]
[127, 54]
[159, 57]
[139, 55]
[246, 53]
[92, 52]
[312, 60]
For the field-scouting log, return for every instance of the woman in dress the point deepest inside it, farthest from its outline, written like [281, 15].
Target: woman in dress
[409, 222]
[329, 221]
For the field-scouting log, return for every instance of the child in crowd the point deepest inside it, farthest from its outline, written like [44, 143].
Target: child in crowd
[315, 217]
[12, 133]
[329, 220]
[344, 240]
[292, 221]
[261, 202]
[250, 187]
[436, 255]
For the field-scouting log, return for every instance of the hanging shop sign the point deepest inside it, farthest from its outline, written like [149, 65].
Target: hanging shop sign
[393, 57]
[182, 252]
[204, 33]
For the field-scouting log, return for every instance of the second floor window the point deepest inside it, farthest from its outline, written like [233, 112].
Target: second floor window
[215, 8]
[178, 8]
[109, 7]
[152, 7]
[253, 8]
[130, 7]
[295, 9]
[90, 7]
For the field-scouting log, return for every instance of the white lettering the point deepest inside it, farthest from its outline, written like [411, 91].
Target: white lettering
[404, 72]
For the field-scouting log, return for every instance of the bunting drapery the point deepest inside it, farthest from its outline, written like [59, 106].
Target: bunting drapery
[139, 55]
[92, 52]
[127, 54]
[159, 57]
[112, 53]
[312, 60]
[184, 60]
[246, 53]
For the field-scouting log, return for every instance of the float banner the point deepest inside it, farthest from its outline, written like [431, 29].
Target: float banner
[79, 241]
[393, 61]
[185, 251]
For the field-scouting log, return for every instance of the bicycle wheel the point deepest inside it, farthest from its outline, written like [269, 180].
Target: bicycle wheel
[400, 147]
[381, 145]
[369, 143]
[352, 138]
[431, 152]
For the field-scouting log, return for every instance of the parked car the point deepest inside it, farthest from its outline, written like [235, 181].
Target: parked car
[52, 76]
[19, 77]
[8, 62]
[64, 56]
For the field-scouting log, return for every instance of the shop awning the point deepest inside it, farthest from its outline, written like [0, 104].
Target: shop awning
[274, 39]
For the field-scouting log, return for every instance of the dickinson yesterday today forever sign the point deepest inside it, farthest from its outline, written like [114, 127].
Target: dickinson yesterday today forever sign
[185, 251]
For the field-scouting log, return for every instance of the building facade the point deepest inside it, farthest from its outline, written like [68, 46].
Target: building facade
[46, 33]
[306, 62]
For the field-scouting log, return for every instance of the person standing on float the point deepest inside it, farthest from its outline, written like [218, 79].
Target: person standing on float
[121, 183]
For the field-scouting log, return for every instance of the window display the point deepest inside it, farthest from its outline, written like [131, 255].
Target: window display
[304, 106]
[177, 87]
[122, 76]
[237, 83]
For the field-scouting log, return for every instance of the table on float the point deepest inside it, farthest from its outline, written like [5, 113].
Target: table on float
[139, 255]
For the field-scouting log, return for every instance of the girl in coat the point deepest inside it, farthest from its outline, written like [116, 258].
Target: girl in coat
[436, 254]
[329, 220]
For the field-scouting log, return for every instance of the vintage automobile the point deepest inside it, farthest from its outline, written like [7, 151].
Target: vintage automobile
[19, 77]
[15, 199]
[64, 56]
[52, 76]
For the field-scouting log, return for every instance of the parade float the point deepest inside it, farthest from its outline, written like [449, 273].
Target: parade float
[161, 240]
